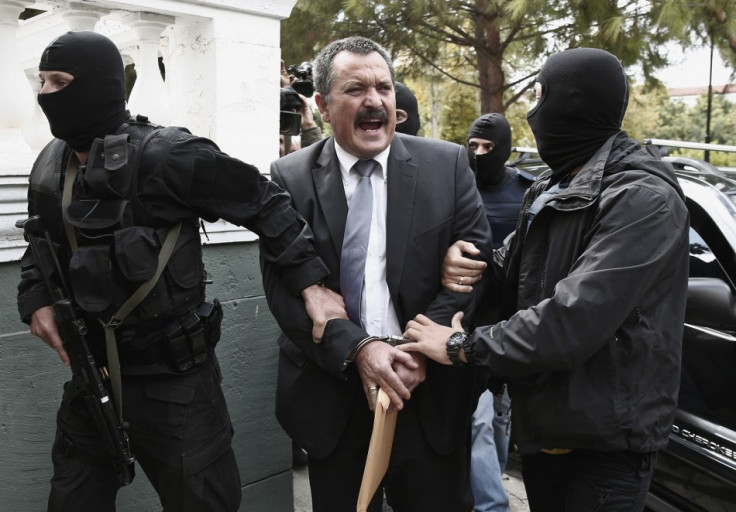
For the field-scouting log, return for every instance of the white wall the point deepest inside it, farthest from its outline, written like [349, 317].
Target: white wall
[222, 61]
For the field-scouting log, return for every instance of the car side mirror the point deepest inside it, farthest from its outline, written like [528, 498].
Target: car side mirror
[710, 303]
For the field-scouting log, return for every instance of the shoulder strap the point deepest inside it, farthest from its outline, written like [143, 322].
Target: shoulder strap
[167, 249]
[113, 361]
[66, 198]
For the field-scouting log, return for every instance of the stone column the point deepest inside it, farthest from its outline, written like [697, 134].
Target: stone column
[37, 132]
[149, 96]
[82, 17]
[16, 109]
[16, 101]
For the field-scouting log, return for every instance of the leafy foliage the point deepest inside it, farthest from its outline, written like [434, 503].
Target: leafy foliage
[466, 57]
[678, 121]
[503, 42]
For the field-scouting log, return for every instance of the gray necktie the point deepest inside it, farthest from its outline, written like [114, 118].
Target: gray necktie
[355, 241]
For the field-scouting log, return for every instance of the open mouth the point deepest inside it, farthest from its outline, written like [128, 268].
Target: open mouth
[370, 125]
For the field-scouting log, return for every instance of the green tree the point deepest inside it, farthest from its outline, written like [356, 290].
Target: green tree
[521, 133]
[503, 42]
[678, 121]
[643, 117]
[702, 22]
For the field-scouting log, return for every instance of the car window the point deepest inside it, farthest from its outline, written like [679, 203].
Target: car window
[711, 255]
[708, 355]
[703, 263]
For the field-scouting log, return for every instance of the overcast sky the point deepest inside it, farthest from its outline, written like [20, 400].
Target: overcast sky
[691, 69]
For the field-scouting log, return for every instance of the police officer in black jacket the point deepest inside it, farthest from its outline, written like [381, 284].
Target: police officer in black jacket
[594, 287]
[127, 184]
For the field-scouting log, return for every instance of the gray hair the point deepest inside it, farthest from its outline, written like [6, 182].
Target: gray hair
[324, 73]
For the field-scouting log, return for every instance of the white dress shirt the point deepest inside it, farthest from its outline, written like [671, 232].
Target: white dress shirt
[377, 310]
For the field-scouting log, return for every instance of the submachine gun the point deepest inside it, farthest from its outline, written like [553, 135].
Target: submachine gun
[73, 331]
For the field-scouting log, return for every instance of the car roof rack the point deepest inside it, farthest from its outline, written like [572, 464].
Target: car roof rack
[527, 159]
[523, 149]
[693, 163]
[700, 166]
[689, 145]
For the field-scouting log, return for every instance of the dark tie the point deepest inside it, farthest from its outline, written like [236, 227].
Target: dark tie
[355, 241]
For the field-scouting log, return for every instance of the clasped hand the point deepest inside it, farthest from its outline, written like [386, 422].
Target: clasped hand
[431, 337]
[459, 272]
[397, 373]
[322, 305]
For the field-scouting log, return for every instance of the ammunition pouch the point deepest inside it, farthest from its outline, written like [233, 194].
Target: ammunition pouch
[210, 314]
[115, 273]
[113, 260]
[192, 338]
[185, 343]
[109, 170]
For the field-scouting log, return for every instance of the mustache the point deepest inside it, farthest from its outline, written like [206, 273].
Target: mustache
[372, 114]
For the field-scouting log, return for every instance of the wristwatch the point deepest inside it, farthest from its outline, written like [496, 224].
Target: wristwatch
[455, 342]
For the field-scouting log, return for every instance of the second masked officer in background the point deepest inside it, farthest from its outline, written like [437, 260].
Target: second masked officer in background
[125, 197]
[502, 189]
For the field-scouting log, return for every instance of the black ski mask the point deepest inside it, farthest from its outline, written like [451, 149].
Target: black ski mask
[93, 104]
[406, 101]
[490, 168]
[583, 102]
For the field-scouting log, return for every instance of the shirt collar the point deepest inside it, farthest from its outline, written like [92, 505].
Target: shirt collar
[347, 160]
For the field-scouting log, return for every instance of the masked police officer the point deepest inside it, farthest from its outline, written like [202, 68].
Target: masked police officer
[594, 284]
[502, 189]
[110, 189]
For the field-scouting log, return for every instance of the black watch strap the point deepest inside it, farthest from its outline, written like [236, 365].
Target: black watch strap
[469, 349]
[455, 342]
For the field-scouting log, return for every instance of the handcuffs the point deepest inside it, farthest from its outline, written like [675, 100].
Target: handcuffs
[393, 340]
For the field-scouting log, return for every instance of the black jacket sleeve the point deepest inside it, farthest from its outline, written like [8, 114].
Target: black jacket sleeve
[182, 176]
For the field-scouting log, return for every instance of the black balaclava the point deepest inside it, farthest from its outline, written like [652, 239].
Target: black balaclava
[490, 168]
[584, 98]
[406, 101]
[93, 104]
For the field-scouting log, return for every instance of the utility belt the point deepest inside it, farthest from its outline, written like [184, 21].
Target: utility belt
[186, 342]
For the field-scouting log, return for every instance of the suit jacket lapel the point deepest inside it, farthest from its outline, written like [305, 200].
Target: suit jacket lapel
[402, 182]
[331, 193]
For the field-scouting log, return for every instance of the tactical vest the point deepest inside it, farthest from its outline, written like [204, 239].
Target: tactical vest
[118, 240]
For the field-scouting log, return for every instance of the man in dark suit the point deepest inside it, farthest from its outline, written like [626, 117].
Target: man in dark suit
[422, 198]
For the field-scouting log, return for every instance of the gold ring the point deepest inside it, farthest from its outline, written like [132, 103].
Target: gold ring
[461, 280]
[372, 389]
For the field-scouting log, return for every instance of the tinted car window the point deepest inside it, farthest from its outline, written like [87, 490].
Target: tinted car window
[708, 356]
[703, 263]
[711, 255]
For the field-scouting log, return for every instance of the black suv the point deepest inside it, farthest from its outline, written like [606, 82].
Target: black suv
[697, 470]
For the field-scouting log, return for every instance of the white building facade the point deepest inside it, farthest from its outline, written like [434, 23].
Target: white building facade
[690, 95]
[221, 58]
[222, 63]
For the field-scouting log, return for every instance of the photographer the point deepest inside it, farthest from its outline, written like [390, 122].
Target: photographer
[295, 89]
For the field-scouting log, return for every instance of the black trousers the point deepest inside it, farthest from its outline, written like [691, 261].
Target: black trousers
[180, 434]
[418, 479]
[587, 481]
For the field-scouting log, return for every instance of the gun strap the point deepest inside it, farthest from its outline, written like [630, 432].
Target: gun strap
[113, 361]
[167, 249]
[66, 198]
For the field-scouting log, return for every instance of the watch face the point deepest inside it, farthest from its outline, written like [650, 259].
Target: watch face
[456, 339]
[454, 344]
